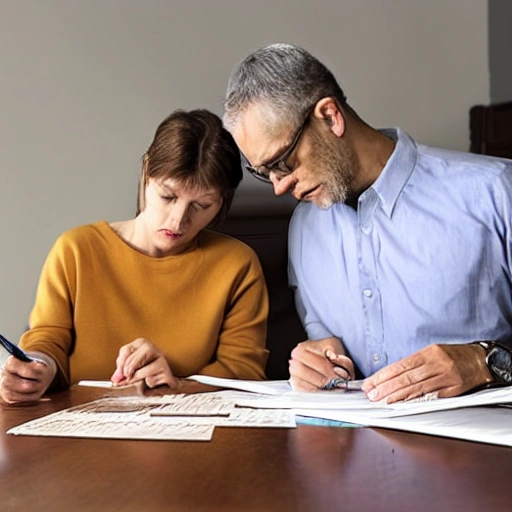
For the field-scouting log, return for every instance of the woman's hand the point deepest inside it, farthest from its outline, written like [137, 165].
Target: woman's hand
[314, 363]
[26, 382]
[140, 360]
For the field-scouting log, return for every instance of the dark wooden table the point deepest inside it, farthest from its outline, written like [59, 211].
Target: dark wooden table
[242, 469]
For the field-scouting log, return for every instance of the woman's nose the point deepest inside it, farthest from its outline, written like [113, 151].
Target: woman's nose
[178, 217]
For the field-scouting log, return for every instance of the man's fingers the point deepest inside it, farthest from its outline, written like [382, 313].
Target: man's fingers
[306, 377]
[312, 359]
[343, 372]
[312, 366]
[447, 370]
[343, 366]
[427, 390]
[301, 385]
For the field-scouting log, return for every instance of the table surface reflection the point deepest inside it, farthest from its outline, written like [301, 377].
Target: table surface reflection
[310, 468]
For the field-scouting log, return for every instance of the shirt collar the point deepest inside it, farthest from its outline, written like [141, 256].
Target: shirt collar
[397, 170]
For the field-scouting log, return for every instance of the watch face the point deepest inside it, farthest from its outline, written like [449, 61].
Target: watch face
[500, 363]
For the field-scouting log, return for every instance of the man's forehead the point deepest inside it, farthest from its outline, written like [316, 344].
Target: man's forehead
[256, 137]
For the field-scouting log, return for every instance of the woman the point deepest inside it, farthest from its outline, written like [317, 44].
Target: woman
[157, 297]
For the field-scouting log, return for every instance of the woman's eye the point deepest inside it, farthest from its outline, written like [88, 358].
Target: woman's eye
[201, 206]
[167, 198]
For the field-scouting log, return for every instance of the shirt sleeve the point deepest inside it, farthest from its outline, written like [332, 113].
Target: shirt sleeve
[241, 352]
[505, 213]
[51, 319]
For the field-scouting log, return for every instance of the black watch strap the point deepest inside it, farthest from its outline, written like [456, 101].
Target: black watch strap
[498, 359]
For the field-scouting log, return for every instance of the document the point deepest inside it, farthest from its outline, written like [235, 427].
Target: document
[477, 416]
[220, 409]
[115, 418]
[281, 396]
[484, 416]
[358, 402]
[168, 417]
[96, 383]
[486, 424]
[266, 387]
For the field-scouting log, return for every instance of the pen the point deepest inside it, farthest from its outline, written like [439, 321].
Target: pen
[14, 350]
[347, 385]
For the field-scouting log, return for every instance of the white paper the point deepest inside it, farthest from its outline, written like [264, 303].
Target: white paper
[484, 416]
[241, 417]
[83, 423]
[218, 408]
[281, 396]
[96, 383]
[267, 387]
[481, 424]
[168, 417]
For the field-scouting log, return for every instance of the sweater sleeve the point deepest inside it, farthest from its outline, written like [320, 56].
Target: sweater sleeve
[241, 351]
[51, 319]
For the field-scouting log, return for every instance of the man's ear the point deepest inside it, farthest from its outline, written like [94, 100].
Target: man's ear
[328, 111]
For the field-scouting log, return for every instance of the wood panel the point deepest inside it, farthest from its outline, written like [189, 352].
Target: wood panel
[491, 129]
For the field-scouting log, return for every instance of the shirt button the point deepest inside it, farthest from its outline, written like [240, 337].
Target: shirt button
[376, 358]
[367, 229]
[367, 292]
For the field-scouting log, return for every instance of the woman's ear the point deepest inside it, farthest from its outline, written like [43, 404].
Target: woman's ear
[328, 111]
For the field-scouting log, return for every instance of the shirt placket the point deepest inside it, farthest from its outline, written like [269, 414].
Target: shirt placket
[368, 279]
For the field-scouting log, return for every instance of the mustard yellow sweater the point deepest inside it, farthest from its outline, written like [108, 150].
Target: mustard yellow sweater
[206, 309]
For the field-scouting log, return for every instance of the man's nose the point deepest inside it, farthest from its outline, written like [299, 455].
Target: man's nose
[283, 184]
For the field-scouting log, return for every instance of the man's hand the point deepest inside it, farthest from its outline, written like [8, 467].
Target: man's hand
[314, 363]
[140, 360]
[26, 382]
[448, 370]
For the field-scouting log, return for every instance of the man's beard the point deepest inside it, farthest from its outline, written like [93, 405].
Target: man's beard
[335, 168]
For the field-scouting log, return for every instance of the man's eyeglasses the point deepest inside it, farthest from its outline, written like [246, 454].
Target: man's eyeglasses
[278, 166]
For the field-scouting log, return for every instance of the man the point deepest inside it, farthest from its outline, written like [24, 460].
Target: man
[400, 254]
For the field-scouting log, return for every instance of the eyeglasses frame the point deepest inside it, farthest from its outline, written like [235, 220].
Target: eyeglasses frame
[279, 165]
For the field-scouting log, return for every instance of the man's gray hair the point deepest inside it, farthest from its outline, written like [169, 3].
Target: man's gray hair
[285, 79]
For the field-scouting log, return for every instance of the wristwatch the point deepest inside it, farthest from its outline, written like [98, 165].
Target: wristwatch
[498, 359]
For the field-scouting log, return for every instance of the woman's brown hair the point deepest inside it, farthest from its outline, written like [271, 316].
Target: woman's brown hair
[194, 149]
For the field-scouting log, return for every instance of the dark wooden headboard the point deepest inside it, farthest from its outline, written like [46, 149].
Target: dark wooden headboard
[491, 129]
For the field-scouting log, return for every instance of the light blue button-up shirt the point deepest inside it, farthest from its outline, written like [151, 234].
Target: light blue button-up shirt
[426, 258]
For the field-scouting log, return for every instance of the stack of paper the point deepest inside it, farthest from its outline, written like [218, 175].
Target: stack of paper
[169, 417]
[482, 416]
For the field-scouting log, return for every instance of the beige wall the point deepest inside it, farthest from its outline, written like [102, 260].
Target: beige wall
[83, 85]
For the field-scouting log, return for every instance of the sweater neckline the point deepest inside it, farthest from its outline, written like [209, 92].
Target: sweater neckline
[104, 227]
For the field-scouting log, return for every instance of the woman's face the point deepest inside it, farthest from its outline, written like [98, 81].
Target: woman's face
[174, 215]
